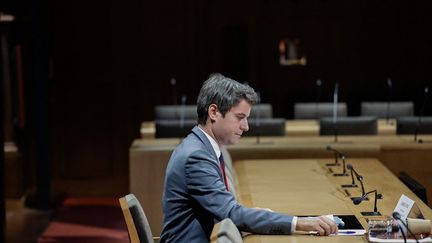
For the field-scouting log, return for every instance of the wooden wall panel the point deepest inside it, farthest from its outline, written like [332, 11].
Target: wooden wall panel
[112, 63]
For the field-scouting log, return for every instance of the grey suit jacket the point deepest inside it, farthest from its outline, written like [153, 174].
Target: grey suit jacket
[195, 197]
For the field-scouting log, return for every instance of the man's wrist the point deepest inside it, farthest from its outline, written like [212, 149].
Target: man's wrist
[294, 224]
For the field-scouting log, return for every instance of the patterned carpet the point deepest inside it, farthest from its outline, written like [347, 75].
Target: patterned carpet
[87, 220]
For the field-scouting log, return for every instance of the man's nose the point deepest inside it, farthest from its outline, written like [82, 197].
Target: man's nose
[244, 126]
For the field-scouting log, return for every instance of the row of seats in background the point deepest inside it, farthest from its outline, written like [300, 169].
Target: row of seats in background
[177, 121]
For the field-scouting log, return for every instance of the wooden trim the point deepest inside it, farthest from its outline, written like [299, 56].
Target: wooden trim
[133, 234]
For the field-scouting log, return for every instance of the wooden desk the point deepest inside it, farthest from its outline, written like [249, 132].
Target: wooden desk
[148, 159]
[292, 128]
[305, 187]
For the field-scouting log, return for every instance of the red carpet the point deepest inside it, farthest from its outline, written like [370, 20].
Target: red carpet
[87, 220]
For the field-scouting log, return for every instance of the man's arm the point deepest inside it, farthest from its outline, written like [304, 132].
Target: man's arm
[206, 187]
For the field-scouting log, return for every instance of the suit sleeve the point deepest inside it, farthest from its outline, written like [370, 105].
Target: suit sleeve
[208, 190]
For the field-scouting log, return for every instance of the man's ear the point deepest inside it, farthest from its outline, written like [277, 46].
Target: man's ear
[213, 112]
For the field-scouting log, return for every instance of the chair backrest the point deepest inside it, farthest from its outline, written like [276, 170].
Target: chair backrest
[318, 110]
[261, 110]
[189, 112]
[266, 127]
[228, 232]
[394, 109]
[362, 125]
[414, 186]
[408, 125]
[173, 128]
[136, 220]
[176, 112]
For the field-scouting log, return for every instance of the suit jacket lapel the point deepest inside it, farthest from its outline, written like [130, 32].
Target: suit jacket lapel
[205, 141]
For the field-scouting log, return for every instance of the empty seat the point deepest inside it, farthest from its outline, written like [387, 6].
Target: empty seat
[173, 128]
[261, 110]
[266, 127]
[318, 110]
[136, 220]
[384, 109]
[176, 112]
[408, 125]
[414, 186]
[189, 112]
[349, 126]
[228, 232]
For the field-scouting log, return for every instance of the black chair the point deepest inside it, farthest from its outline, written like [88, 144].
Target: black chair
[173, 128]
[408, 125]
[136, 220]
[261, 110]
[394, 109]
[176, 112]
[414, 186]
[318, 110]
[266, 127]
[361, 125]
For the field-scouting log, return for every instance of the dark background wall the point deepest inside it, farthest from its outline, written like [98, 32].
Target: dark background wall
[111, 62]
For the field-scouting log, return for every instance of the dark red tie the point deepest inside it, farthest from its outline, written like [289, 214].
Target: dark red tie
[222, 165]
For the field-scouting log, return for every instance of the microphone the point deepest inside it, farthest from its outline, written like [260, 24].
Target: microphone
[426, 91]
[389, 85]
[342, 156]
[360, 179]
[173, 83]
[335, 101]
[358, 200]
[353, 184]
[398, 217]
[336, 156]
[318, 97]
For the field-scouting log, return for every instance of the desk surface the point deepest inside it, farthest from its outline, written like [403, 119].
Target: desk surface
[306, 187]
[292, 128]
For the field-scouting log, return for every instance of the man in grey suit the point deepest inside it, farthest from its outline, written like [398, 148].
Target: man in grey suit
[195, 193]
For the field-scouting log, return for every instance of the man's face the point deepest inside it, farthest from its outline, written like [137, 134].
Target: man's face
[228, 130]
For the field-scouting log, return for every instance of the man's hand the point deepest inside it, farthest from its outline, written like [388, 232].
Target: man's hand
[321, 224]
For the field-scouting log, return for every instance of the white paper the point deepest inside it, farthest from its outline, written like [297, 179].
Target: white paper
[404, 206]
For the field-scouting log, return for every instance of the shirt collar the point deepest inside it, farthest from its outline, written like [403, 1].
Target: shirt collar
[213, 143]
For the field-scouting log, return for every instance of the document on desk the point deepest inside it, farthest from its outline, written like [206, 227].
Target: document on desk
[351, 225]
[347, 224]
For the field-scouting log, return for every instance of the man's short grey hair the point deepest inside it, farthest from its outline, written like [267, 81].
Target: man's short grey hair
[225, 93]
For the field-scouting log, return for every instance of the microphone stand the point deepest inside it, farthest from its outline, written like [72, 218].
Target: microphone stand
[342, 156]
[353, 184]
[318, 98]
[360, 179]
[426, 91]
[182, 115]
[182, 111]
[335, 101]
[173, 83]
[336, 156]
[375, 212]
[389, 84]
